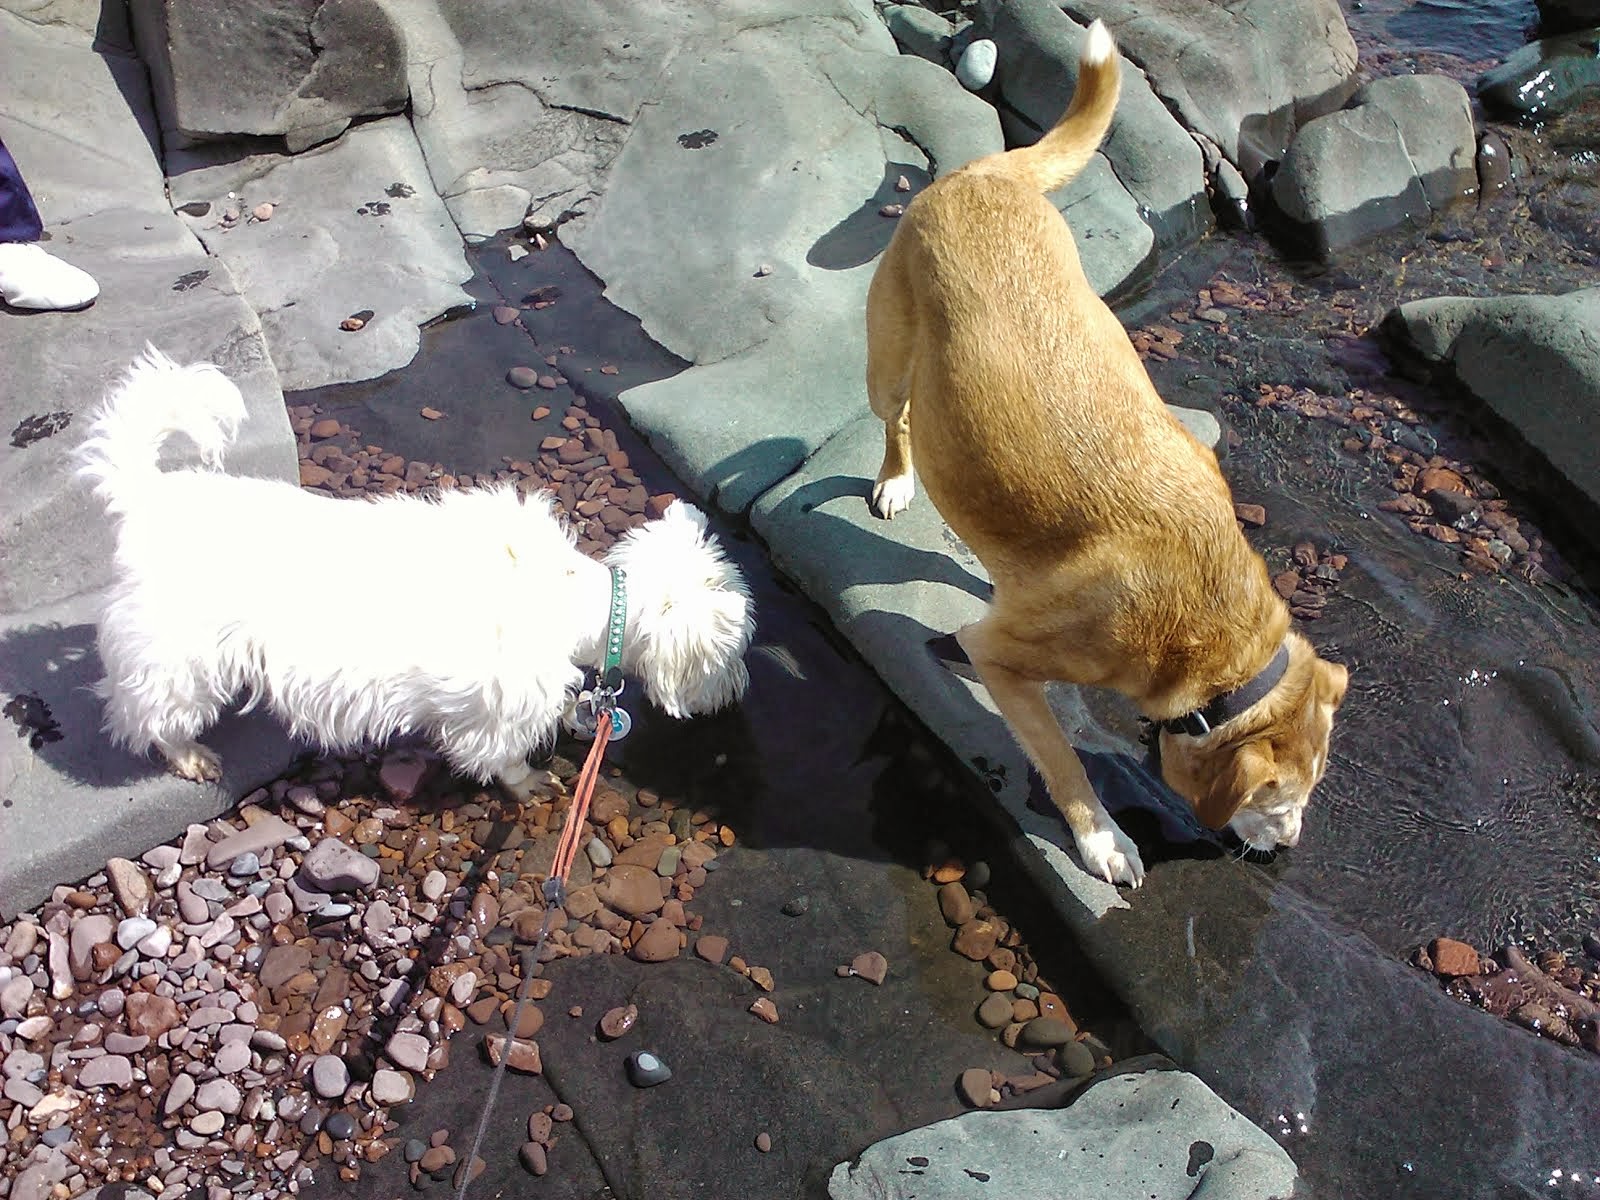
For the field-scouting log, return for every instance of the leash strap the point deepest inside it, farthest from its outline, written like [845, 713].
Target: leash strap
[555, 895]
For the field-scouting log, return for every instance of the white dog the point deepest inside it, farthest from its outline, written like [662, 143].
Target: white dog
[470, 618]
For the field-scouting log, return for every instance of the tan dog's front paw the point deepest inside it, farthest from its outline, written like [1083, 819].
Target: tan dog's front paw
[892, 495]
[1111, 854]
[196, 764]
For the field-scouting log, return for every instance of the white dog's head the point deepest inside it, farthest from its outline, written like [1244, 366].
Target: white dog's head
[690, 616]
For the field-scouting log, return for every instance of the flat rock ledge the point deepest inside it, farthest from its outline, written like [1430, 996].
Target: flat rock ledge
[1161, 1134]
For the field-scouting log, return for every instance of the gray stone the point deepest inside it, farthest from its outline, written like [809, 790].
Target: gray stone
[390, 1087]
[86, 154]
[1245, 75]
[1404, 149]
[1533, 360]
[333, 866]
[1161, 1134]
[918, 30]
[1153, 157]
[356, 228]
[134, 930]
[329, 1076]
[218, 1095]
[109, 1070]
[299, 68]
[1543, 79]
[408, 1050]
[976, 67]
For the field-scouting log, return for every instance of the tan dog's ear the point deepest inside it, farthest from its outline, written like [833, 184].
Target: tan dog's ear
[1251, 769]
[1332, 680]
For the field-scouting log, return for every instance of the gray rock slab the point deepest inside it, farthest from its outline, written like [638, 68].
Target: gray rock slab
[1403, 150]
[1161, 1134]
[74, 800]
[769, 147]
[1544, 78]
[356, 227]
[892, 588]
[102, 196]
[1534, 360]
[1154, 158]
[1252, 987]
[1245, 75]
[297, 68]
[78, 120]
[490, 107]
[920, 31]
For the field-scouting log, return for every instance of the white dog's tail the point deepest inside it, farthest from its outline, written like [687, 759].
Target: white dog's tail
[153, 401]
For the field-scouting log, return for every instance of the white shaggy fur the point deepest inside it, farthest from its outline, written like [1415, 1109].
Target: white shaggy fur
[470, 618]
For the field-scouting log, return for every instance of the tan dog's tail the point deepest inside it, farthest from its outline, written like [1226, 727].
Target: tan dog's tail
[1060, 154]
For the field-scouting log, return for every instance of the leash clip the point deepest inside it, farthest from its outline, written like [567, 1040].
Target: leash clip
[583, 718]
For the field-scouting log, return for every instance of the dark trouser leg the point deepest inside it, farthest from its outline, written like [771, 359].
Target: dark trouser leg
[19, 219]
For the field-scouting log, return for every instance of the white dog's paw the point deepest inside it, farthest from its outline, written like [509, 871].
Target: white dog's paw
[893, 495]
[195, 763]
[1111, 854]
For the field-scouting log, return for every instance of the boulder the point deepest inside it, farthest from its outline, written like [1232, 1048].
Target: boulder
[1404, 149]
[300, 69]
[920, 31]
[1533, 360]
[1153, 157]
[1545, 78]
[1245, 75]
[1162, 1134]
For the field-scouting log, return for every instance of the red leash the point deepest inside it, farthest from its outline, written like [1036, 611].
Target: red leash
[582, 794]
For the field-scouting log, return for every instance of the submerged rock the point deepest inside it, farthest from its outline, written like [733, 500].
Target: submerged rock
[1544, 78]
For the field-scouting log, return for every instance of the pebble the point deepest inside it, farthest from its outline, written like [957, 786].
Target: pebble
[1044, 1032]
[408, 1051]
[712, 947]
[231, 1057]
[975, 1085]
[390, 1087]
[659, 943]
[534, 1157]
[599, 853]
[955, 903]
[130, 885]
[191, 905]
[1000, 981]
[433, 885]
[764, 1142]
[871, 966]
[332, 866]
[246, 865]
[764, 1008]
[268, 833]
[504, 314]
[1076, 1060]
[208, 1123]
[995, 1011]
[134, 930]
[976, 66]
[329, 1076]
[180, 1092]
[797, 906]
[522, 377]
[523, 1056]
[218, 1095]
[618, 1021]
[340, 1126]
[109, 1070]
[646, 1070]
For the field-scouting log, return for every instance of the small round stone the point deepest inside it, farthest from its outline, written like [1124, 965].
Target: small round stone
[618, 1021]
[247, 864]
[797, 907]
[975, 1085]
[764, 1142]
[329, 1076]
[646, 1070]
[1076, 1060]
[1044, 1032]
[340, 1126]
[535, 1158]
[1000, 981]
[522, 377]
[414, 1149]
[995, 1010]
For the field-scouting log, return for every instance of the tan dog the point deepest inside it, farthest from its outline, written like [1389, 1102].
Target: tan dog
[1107, 529]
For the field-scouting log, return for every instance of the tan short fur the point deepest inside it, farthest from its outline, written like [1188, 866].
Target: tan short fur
[1108, 530]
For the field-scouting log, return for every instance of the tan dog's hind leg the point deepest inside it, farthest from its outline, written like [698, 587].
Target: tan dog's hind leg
[1105, 849]
[889, 386]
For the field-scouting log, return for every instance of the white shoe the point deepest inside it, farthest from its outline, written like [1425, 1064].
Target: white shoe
[32, 278]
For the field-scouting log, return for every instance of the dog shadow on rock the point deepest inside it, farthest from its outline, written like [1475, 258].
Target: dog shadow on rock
[865, 233]
[47, 678]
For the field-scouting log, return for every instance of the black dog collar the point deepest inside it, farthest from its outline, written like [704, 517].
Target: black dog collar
[1229, 705]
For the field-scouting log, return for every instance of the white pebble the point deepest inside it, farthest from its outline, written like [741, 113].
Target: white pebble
[977, 64]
